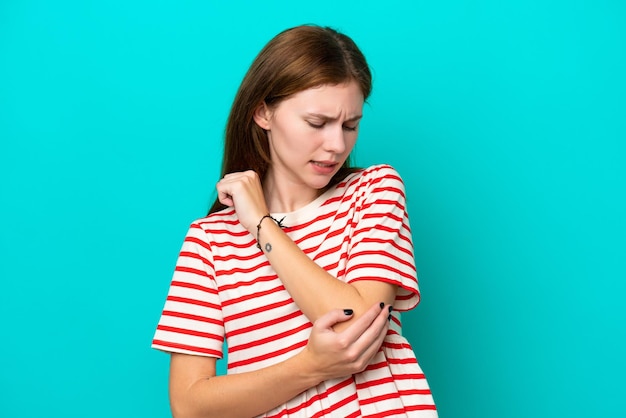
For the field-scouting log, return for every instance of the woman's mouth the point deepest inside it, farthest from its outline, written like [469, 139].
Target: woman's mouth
[324, 164]
[324, 167]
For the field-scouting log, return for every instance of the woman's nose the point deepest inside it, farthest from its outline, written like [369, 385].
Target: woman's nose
[335, 140]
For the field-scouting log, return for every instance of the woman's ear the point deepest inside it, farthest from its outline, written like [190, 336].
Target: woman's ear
[262, 116]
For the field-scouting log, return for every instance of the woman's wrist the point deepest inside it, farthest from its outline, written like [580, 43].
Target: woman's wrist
[259, 226]
[308, 368]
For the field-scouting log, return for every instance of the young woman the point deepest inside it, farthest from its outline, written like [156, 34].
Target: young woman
[300, 259]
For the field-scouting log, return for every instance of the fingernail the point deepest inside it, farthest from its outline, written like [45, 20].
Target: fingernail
[390, 308]
[382, 305]
[389, 317]
[348, 312]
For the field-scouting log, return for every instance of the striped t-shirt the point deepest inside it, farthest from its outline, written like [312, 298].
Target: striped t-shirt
[224, 287]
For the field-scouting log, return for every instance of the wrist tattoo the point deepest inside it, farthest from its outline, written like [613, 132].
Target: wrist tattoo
[268, 246]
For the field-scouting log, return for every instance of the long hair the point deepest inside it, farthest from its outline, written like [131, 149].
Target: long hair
[294, 60]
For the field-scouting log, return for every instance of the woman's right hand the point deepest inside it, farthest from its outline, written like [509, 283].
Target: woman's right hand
[331, 354]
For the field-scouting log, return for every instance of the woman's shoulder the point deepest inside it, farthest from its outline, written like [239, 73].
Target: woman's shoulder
[366, 183]
[373, 174]
[220, 219]
[380, 170]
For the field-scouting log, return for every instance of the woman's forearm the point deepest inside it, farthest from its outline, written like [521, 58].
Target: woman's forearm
[239, 395]
[312, 288]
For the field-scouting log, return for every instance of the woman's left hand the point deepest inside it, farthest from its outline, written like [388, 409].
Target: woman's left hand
[244, 192]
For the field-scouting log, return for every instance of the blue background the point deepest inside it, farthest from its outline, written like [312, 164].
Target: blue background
[507, 121]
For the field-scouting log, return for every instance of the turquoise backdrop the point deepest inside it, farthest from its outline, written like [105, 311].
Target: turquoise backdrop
[507, 121]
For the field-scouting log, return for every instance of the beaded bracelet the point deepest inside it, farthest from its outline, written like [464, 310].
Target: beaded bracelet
[258, 227]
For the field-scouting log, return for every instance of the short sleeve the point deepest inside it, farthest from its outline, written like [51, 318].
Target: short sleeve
[381, 246]
[191, 321]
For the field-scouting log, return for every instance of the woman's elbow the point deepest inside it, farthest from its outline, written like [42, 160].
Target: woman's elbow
[179, 408]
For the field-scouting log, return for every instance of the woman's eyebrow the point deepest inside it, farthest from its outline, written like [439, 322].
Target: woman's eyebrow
[331, 118]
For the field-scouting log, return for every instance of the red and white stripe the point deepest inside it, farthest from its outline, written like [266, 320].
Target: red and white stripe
[224, 287]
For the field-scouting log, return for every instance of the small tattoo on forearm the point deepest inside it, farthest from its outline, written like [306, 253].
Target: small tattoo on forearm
[268, 247]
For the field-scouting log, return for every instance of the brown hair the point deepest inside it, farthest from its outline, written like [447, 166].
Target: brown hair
[294, 60]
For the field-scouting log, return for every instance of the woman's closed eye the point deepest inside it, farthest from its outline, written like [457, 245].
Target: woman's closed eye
[320, 125]
[316, 125]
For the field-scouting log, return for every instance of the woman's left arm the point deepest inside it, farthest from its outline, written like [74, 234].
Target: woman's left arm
[313, 289]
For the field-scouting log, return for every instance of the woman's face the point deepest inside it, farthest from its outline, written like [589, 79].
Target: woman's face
[312, 133]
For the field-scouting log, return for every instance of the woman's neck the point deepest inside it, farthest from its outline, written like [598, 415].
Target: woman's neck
[286, 196]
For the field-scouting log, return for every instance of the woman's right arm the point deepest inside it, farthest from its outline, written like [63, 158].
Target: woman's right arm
[196, 391]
